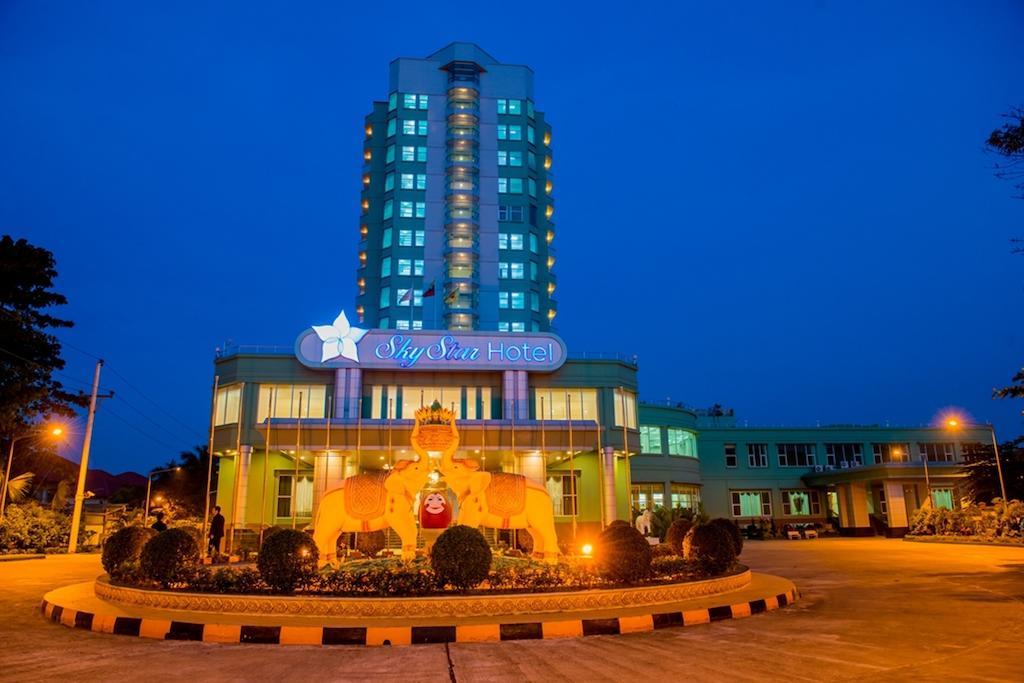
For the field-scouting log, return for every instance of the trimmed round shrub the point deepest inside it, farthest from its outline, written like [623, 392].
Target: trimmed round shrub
[124, 547]
[170, 557]
[730, 527]
[370, 543]
[623, 554]
[670, 565]
[288, 560]
[460, 557]
[677, 531]
[662, 550]
[710, 547]
[619, 522]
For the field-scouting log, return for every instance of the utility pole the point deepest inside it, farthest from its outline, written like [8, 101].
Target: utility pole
[83, 466]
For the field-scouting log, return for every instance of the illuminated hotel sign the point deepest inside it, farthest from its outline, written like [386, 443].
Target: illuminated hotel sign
[341, 345]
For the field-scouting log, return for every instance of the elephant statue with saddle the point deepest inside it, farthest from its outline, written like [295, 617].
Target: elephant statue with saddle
[370, 502]
[502, 500]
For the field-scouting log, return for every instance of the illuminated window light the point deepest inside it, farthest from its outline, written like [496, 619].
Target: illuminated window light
[367, 154]
[547, 162]
[366, 180]
[547, 137]
[551, 236]
[366, 205]
[369, 131]
[547, 187]
[549, 211]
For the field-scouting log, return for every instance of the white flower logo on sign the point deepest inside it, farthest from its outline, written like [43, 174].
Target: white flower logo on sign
[339, 339]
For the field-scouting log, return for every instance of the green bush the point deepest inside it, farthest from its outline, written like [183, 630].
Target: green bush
[623, 554]
[710, 547]
[999, 520]
[370, 543]
[730, 527]
[30, 527]
[676, 533]
[661, 550]
[123, 548]
[670, 565]
[170, 557]
[288, 560]
[460, 557]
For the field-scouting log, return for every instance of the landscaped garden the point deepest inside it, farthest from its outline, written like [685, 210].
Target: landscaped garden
[459, 562]
[1000, 522]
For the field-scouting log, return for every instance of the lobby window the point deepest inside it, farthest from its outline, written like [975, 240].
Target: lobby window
[392, 127]
[795, 454]
[843, 454]
[943, 498]
[389, 155]
[294, 495]
[517, 301]
[417, 297]
[414, 181]
[936, 452]
[286, 399]
[385, 297]
[411, 101]
[510, 186]
[414, 127]
[757, 455]
[801, 503]
[557, 403]
[681, 442]
[752, 503]
[468, 403]
[389, 182]
[512, 214]
[385, 266]
[385, 239]
[562, 486]
[890, 452]
[226, 407]
[625, 401]
[686, 497]
[730, 455]
[647, 495]
[650, 439]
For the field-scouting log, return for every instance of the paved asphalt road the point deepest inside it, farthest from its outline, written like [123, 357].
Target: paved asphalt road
[878, 610]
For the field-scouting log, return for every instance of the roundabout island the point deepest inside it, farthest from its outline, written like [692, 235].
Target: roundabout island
[306, 588]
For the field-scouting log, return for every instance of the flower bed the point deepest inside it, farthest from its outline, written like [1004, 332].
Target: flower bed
[999, 522]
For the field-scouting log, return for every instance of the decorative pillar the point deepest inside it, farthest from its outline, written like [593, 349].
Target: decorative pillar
[242, 460]
[531, 465]
[610, 504]
[348, 386]
[515, 395]
[896, 509]
[858, 518]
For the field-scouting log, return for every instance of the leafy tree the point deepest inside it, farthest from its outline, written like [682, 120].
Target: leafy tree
[1015, 390]
[1008, 142]
[982, 481]
[185, 486]
[29, 352]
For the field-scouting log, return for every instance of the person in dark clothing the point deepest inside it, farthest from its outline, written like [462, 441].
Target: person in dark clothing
[216, 531]
[159, 525]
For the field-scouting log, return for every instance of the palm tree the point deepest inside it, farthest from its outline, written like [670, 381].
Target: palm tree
[18, 487]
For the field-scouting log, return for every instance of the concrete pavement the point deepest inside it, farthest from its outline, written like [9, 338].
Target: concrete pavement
[870, 609]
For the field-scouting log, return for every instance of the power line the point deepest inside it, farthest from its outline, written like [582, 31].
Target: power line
[166, 412]
[142, 431]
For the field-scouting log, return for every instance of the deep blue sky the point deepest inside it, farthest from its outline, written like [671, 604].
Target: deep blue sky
[782, 207]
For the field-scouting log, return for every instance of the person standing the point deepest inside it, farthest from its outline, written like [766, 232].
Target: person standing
[216, 531]
[159, 524]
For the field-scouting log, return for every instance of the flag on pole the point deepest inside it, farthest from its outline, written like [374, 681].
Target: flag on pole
[407, 297]
[452, 296]
[430, 291]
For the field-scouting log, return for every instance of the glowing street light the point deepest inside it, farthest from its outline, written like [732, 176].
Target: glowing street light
[54, 431]
[953, 424]
[149, 487]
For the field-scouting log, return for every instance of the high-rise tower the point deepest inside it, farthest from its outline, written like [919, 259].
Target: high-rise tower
[457, 194]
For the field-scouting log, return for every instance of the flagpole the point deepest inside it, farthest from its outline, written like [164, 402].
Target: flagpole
[600, 472]
[572, 470]
[625, 450]
[209, 465]
[271, 396]
[298, 454]
[238, 460]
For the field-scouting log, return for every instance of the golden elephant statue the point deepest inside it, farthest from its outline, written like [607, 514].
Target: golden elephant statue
[502, 500]
[370, 502]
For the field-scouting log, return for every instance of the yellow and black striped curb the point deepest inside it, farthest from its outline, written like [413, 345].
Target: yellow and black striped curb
[404, 635]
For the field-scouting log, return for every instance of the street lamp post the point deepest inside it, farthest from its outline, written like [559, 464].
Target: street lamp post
[149, 488]
[54, 431]
[953, 424]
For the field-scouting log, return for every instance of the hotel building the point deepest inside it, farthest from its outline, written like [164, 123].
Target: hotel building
[457, 193]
